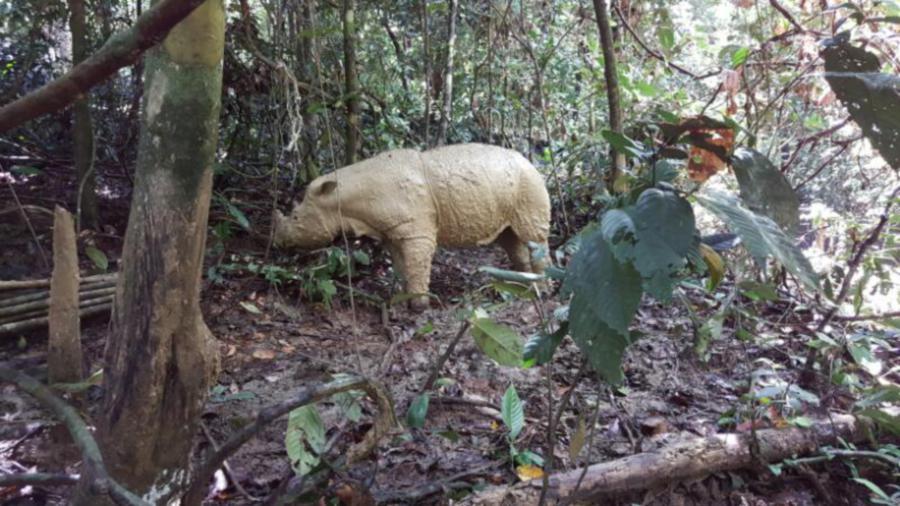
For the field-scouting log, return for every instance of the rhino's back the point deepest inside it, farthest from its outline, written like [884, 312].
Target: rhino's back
[477, 191]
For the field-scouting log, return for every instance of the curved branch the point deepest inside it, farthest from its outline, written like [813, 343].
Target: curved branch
[81, 435]
[307, 395]
[120, 50]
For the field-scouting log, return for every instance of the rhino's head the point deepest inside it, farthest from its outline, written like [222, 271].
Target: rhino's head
[312, 223]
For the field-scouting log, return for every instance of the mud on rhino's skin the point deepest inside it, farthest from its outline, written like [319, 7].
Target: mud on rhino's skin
[412, 201]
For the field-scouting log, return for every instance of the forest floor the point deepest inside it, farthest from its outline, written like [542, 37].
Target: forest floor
[275, 343]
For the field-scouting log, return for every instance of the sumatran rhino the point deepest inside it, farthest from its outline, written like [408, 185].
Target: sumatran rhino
[413, 201]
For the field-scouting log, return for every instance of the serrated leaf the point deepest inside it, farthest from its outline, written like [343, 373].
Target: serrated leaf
[304, 439]
[760, 235]
[499, 342]
[512, 412]
[97, 257]
[765, 190]
[539, 348]
[418, 410]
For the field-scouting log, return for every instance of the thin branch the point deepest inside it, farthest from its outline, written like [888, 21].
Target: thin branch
[869, 317]
[120, 50]
[787, 15]
[656, 54]
[443, 359]
[37, 479]
[103, 483]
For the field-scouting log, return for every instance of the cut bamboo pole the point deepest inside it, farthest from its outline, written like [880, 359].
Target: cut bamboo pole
[45, 283]
[64, 356]
[6, 311]
[23, 325]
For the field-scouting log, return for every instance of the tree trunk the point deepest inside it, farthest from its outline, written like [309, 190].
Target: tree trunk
[161, 357]
[82, 129]
[427, 55]
[448, 74]
[612, 88]
[310, 156]
[351, 82]
[64, 339]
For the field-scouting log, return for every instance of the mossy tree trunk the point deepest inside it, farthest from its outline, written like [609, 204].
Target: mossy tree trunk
[612, 88]
[447, 110]
[82, 129]
[351, 82]
[161, 357]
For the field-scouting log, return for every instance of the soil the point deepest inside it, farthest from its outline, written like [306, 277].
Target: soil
[274, 341]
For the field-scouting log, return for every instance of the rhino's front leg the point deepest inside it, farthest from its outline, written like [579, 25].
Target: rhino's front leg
[416, 255]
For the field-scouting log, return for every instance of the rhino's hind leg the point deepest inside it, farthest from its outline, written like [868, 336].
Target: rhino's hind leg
[416, 257]
[516, 249]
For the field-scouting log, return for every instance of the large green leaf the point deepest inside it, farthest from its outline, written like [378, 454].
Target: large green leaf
[606, 295]
[664, 223]
[540, 347]
[765, 190]
[872, 98]
[499, 342]
[760, 235]
[304, 439]
[418, 410]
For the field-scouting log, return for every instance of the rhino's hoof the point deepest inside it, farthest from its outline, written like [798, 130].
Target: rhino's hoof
[419, 304]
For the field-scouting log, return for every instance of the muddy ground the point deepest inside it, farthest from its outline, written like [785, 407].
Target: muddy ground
[291, 342]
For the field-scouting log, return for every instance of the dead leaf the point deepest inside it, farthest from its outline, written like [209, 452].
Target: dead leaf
[702, 164]
[232, 349]
[529, 472]
[250, 307]
[263, 354]
[578, 439]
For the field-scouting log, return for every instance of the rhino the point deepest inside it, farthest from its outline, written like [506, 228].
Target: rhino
[414, 201]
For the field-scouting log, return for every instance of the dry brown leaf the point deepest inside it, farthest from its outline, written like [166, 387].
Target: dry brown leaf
[703, 164]
[263, 354]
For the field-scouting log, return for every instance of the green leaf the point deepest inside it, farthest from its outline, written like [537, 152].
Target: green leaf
[665, 30]
[664, 223]
[237, 214]
[512, 412]
[361, 257]
[804, 422]
[765, 190]
[624, 144]
[517, 290]
[539, 348]
[871, 98]
[739, 56]
[879, 395]
[24, 170]
[94, 379]
[250, 307]
[606, 295]
[760, 235]
[885, 420]
[578, 439]
[418, 410]
[98, 257]
[875, 489]
[304, 439]
[499, 342]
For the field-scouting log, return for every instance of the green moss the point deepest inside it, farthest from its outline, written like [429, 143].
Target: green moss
[199, 38]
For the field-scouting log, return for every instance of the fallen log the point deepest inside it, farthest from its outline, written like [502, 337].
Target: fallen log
[687, 460]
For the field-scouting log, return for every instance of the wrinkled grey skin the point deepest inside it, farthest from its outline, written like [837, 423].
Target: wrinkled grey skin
[412, 202]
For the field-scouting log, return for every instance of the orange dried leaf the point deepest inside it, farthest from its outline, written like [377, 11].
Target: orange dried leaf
[702, 164]
[529, 472]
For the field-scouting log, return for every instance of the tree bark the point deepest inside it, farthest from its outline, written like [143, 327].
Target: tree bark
[161, 357]
[689, 460]
[120, 50]
[612, 88]
[427, 56]
[351, 82]
[82, 129]
[448, 74]
[64, 340]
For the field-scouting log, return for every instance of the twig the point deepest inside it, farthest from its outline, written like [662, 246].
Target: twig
[588, 445]
[787, 15]
[650, 50]
[303, 397]
[37, 479]
[228, 472]
[443, 359]
[861, 318]
[103, 483]
[34, 236]
[120, 50]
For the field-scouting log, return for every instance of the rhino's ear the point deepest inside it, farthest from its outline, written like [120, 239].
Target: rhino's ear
[326, 188]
